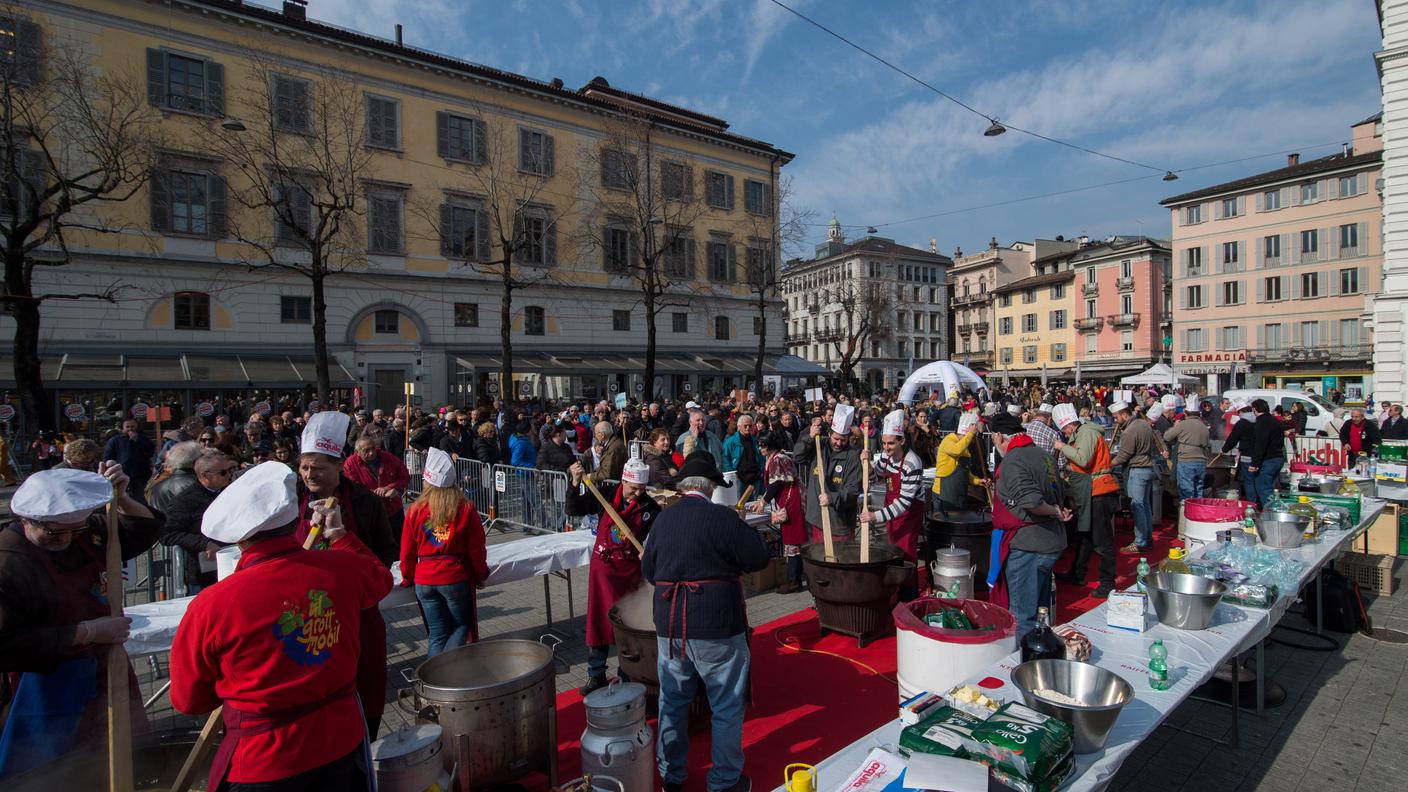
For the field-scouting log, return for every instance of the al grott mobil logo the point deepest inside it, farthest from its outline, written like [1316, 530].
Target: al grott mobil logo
[309, 632]
[436, 534]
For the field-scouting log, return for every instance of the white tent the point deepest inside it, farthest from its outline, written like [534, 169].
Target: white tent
[953, 376]
[1160, 374]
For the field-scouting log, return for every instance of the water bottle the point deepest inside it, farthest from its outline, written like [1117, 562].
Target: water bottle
[1158, 666]
[1139, 573]
[1249, 520]
[1373, 467]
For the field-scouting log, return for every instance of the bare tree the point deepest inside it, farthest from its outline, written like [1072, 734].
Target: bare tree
[863, 317]
[781, 230]
[645, 204]
[304, 180]
[500, 219]
[73, 140]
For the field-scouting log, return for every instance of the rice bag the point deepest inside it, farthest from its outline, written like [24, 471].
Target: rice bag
[947, 732]
[1059, 776]
[1023, 742]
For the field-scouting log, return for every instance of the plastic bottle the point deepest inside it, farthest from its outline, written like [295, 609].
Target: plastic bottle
[1158, 666]
[1373, 467]
[1140, 572]
[1249, 520]
[1175, 563]
[1041, 642]
[1304, 508]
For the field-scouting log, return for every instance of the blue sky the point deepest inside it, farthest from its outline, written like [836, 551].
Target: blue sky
[1175, 85]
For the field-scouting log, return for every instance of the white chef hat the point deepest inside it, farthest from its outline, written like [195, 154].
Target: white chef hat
[63, 495]
[1014, 409]
[262, 499]
[894, 424]
[841, 418]
[1044, 408]
[1239, 406]
[1119, 406]
[439, 469]
[1064, 415]
[635, 472]
[990, 409]
[326, 433]
[1171, 401]
[691, 405]
[967, 421]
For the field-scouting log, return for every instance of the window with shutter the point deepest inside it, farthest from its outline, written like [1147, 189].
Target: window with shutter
[756, 197]
[618, 170]
[185, 83]
[384, 221]
[618, 247]
[679, 255]
[464, 229]
[720, 258]
[460, 138]
[535, 232]
[676, 181]
[21, 51]
[293, 214]
[535, 152]
[292, 108]
[719, 189]
[383, 122]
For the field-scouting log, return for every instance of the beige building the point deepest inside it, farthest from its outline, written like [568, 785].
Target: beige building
[828, 309]
[1273, 272]
[975, 279]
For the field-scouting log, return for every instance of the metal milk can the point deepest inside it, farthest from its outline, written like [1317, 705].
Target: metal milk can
[618, 741]
[953, 566]
[409, 760]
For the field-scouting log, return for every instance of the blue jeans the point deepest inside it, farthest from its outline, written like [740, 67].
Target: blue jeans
[1247, 479]
[1266, 478]
[1190, 479]
[722, 665]
[1029, 586]
[449, 612]
[1141, 483]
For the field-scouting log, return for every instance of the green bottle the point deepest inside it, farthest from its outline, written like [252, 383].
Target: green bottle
[1139, 573]
[1158, 666]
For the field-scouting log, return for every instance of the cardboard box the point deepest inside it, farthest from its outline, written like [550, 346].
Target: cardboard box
[763, 580]
[1382, 536]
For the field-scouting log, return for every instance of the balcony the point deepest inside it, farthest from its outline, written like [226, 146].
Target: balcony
[1089, 289]
[789, 339]
[981, 328]
[827, 334]
[967, 299]
[1320, 353]
[1166, 320]
[1130, 320]
[1125, 284]
[814, 308]
[1090, 325]
[965, 329]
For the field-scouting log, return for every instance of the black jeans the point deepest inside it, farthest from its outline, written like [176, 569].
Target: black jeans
[348, 773]
[1101, 539]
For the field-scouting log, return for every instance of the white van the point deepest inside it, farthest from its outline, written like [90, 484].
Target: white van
[1318, 411]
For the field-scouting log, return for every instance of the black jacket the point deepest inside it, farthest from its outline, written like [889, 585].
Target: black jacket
[1395, 429]
[183, 499]
[1371, 438]
[554, 456]
[461, 447]
[1239, 438]
[486, 450]
[1268, 439]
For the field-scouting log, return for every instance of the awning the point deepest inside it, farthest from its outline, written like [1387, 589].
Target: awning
[671, 362]
[75, 370]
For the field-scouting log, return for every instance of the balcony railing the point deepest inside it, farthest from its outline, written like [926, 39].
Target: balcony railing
[965, 299]
[1320, 353]
[965, 329]
[1124, 284]
[795, 338]
[1089, 325]
[980, 328]
[1089, 288]
[1130, 320]
[824, 335]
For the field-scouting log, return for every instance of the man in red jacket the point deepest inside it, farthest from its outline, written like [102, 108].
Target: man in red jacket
[381, 472]
[277, 643]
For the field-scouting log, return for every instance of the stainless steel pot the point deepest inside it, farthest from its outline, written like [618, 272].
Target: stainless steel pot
[496, 702]
[409, 759]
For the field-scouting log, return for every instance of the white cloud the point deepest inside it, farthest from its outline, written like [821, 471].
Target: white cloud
[764, 22]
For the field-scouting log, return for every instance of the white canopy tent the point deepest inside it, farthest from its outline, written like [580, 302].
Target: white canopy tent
[953, 376]
[1160, 374]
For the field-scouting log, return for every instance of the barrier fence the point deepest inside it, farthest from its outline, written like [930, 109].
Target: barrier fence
[505, 496]
[1321, 451]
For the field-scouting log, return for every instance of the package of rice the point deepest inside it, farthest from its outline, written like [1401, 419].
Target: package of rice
[947, 732]
[1051, 783]
[1023, 742]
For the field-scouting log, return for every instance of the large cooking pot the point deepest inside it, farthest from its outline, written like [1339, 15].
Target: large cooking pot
[496, 704]
[636, 651]
[156, 760]
[845, 579]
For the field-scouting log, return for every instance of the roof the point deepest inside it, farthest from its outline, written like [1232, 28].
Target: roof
[590, 95]
[1119, 242]
[890, 247]
[1300, 170]
[1376, 117]
[1034, 281]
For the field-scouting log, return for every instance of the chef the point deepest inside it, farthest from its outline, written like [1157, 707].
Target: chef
[1094, 493]
[956, 464]
[361, 513]
[905, 504]
[277, 643]
[56, 626]
[615, 565]
[840, 467]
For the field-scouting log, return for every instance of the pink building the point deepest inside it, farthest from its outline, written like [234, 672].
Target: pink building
[1122, 293]
[1273, 273]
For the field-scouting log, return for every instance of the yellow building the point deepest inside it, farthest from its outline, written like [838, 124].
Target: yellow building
[1033, 317]
[438, 147]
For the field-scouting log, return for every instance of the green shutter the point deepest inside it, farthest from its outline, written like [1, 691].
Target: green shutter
[218, 220]
[214, 89]
[481, 151]
[447, 229]
[156, 77]
[442, 133]
[159, 187]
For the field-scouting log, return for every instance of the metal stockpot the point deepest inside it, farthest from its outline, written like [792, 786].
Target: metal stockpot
[496, 703]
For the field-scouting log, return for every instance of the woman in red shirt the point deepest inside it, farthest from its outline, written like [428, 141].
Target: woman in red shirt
[444, 556]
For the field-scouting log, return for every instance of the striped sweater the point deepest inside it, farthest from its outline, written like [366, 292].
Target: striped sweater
[911, 471]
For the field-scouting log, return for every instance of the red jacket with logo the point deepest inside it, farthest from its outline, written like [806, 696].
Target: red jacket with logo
[452, 554]
[281, 634]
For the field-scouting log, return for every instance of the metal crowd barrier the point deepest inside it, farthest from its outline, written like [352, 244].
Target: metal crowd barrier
[529, 499]
[477, 481]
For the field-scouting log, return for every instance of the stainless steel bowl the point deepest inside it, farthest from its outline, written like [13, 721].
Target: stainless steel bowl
[1321, 483]
[1185, 602]
[1101, 694]
[1281, 529]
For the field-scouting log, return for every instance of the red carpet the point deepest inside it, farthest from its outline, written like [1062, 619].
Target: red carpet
[1072, 601]
[809, 704]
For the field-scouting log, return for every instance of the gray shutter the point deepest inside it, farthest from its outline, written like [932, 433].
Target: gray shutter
[1291, 253]
[156, 77]
[728, 192]
[525, 142]
[481, 234]
[1334, 283]
[214, 88]
[1332, 249]
[1361, 183]
[1364, 281]
[1324, 332]
[1295, 335]
[732, 264]
[218, 221]
[1328, 236]
[1293, 197]
[689, 253]
[1332, 187]
[1287, 245]
[550, 241]
[1286, 196]
[29, 51]
[160, 189]
[1295, 287]
[1363, 247]
[1260, 202]
[518, 237]
[1217, 210]
[549, 158]
[1183, 297]
[1260, 246]
[447, 222]
[1261, 290]
[481, 145]
[1322, 282]
[1241, 204]
[442, 134]
[1261, 336]
[1183, 263]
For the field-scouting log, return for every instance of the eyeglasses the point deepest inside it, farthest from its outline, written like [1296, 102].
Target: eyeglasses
[57, 532]
[207, 439]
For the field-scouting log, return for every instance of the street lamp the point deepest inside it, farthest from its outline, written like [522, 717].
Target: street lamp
[232, 125]
[994, 129]
[1170, 176]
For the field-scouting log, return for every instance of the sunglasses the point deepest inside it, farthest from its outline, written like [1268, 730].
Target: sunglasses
[207, 439]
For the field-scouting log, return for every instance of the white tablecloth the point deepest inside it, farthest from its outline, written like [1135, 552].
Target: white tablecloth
[154, 624]
[1193, 657]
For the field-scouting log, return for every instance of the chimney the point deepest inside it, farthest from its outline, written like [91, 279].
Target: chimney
[933, 245]
[1344, 149]
[1292, 160]
[296, 9]
[398, 34]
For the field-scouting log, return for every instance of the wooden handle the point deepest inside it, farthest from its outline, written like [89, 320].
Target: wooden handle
[119, 702]
[206, 740]
[613, 514]
[865, 500]
[827, 544]
[747, 493]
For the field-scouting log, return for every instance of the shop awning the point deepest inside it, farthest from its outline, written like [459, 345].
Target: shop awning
[80, 370]
[672, 362]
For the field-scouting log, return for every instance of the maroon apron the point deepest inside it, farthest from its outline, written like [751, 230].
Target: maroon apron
[904, 531]
[614, 571]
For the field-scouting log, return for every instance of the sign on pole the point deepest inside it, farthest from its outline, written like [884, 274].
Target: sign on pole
[139, 410]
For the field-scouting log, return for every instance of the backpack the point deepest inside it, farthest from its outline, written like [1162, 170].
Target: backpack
[1344, 609]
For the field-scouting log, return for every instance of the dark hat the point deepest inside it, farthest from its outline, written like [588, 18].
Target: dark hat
[701, 463]
[1006, 424]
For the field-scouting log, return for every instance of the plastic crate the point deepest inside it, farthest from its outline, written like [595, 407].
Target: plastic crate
[1403, 532]
[1351, 503]
[1373, 572]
